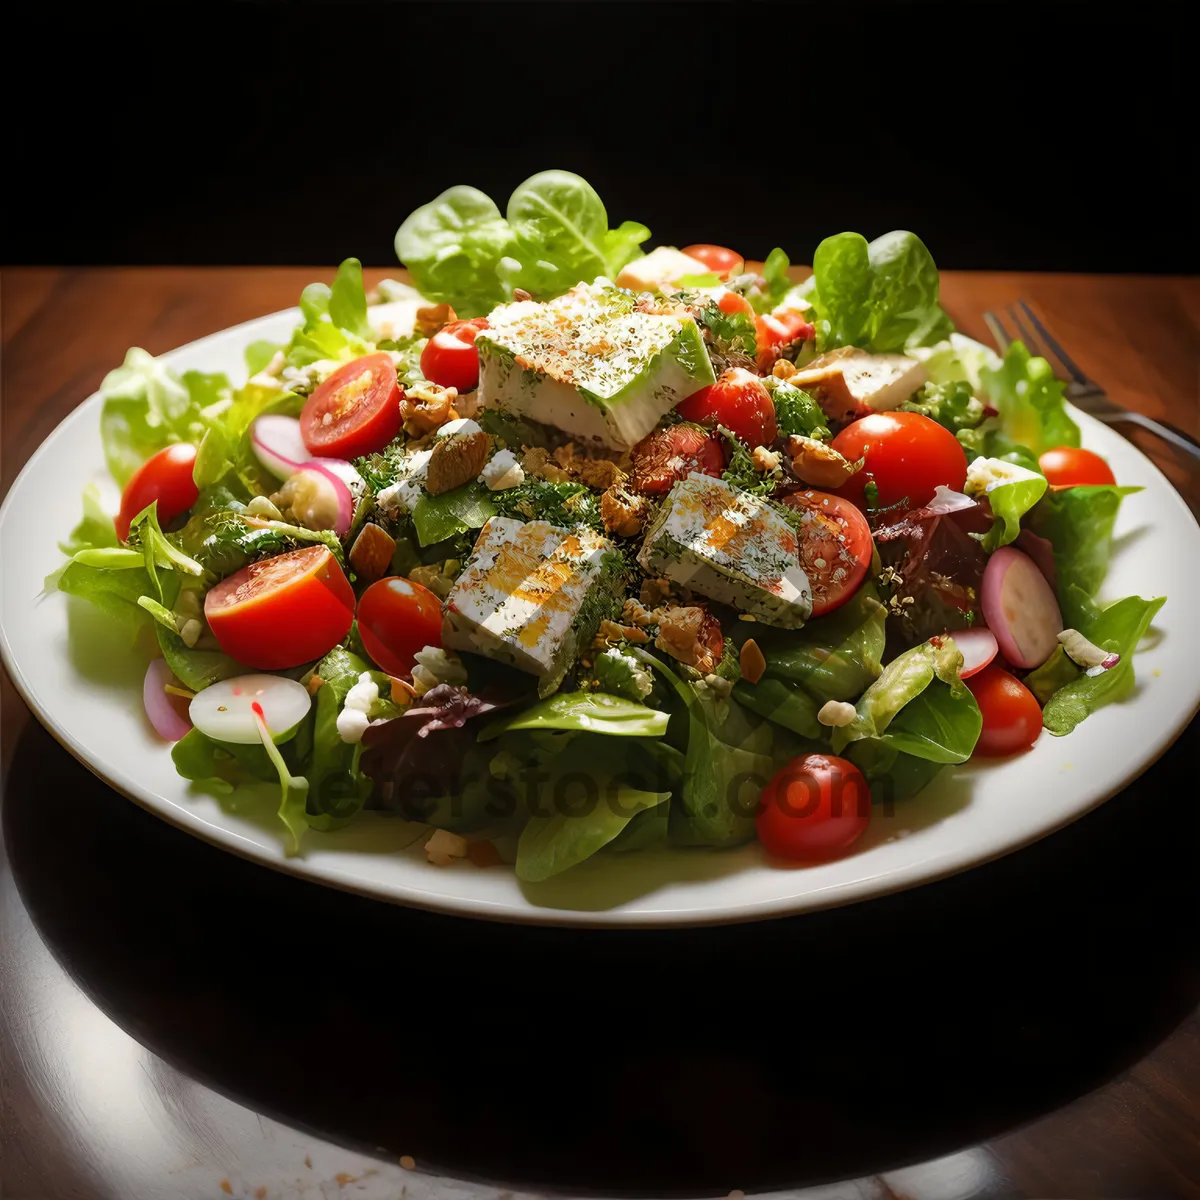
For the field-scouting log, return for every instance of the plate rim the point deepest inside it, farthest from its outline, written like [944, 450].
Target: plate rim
[915, 874]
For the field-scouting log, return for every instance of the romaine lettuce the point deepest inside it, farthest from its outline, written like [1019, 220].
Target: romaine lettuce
[1030, 401]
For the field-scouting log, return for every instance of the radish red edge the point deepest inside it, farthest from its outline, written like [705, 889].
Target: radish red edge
[977, 646]
[163, 709]
[1020, 608]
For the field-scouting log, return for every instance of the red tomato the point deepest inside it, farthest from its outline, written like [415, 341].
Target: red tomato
[1012, 719]
[908, 456]
[355, 411]
[672, 453]
[734, 302]
[1068, 466]
[165, 477]
[718, 259]
[450, 358]
[739, 400]
[835, 548]
[396, 618]
[282, 611]
[776, 331]
[815, 808]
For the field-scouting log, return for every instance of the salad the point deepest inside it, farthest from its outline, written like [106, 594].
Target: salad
[567, 548]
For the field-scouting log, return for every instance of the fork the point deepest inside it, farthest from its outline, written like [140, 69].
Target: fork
[1083, 392]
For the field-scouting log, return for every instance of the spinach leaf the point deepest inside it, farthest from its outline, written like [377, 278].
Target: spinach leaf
[796, 411]
[891, 774]
[1119, 628]
[1078, 523]
[436, 518]
[584, 712]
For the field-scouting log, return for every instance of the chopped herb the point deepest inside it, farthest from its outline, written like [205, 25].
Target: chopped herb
[562, 504]
[741, 471]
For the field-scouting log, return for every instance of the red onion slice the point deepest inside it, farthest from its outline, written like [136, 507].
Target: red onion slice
[336, 502]
[946, 501]
[167, 713]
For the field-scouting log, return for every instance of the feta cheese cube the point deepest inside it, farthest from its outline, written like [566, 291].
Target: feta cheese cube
[731, 546]
[503, 471]
[532, 595]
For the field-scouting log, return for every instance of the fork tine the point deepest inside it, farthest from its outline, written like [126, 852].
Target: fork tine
[1076, 374]
[997, 330]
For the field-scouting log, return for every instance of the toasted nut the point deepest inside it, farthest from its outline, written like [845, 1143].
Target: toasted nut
[753, 664]
[681, 635]
[456, 460]
[403, 692]
[433, 577]
[654, 592]
[444, 847]
[537, 461]
[624, 513]
[836, 713]
[371, 554]
[784, 369]
[427, 406]
[315, 684]
[634, 613]
[818, 464]
[431, 318]
[611, 632]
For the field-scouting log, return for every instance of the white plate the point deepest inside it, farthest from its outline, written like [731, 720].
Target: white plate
[88, 694]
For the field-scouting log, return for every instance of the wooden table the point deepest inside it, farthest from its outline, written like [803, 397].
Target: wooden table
[1029, 1029]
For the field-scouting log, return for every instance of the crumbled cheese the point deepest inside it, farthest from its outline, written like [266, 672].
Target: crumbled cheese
[837, 713]
[462, 425]
[986, 473]
[765, 460]
[268, 377]
[434, 665]
[503, 471]
[444, 847]
[354, 719]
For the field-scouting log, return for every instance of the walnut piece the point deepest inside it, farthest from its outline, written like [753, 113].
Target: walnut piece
[427, 406]
[431, 318]
[456, 460]
[679, 635]
[818, 464]
[611, 632]
[784, 369]
[371, 554]
[765, 460]
[634, 613]
[654, 592]
[624, 513]
[537, 461]
[753, 664]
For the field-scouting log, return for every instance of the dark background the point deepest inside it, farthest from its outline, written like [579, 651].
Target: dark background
[1024, 136]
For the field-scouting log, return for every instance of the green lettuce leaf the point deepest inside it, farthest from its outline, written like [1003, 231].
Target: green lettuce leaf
[95, 530]
[951, 405]
[768, 295]
[891, 774]
[1030, 401]
[1118, 628]
[436, 518]
[957, 358]
[335, 325]
[918, 705]
[1011, 491]
[1078, 523]
[1056, 672]
[145, 409]
[881, 296]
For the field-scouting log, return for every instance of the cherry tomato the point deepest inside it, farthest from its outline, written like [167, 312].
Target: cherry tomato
[450, 357]
[672, 453]
[815, 808]
[1012, 720]
[396, 618]
[1068, 466]
[739, 400]
[776, 331]
[908, 456]
[355, 411]
[718, 259]
[734, 302]
[835, 548]
[165, 477]
[282, 611]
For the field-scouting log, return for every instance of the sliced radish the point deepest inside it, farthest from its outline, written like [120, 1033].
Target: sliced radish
[1041, 551]
[1019, 608]
[225, 711]
[277, 444]
[318, 499]
[167, 713]
[977, 646]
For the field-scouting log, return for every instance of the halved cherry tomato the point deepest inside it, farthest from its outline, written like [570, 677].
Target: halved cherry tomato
[396, 618]
[672, 453]
[908, 456]
[776, 332]
[450, 357]
[355, 411]
[739, 400]
[282, 611]
[814, 809]
[1012, 719]
[165, 477]
[1069, 466]
[835, 548]
[718, 259]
